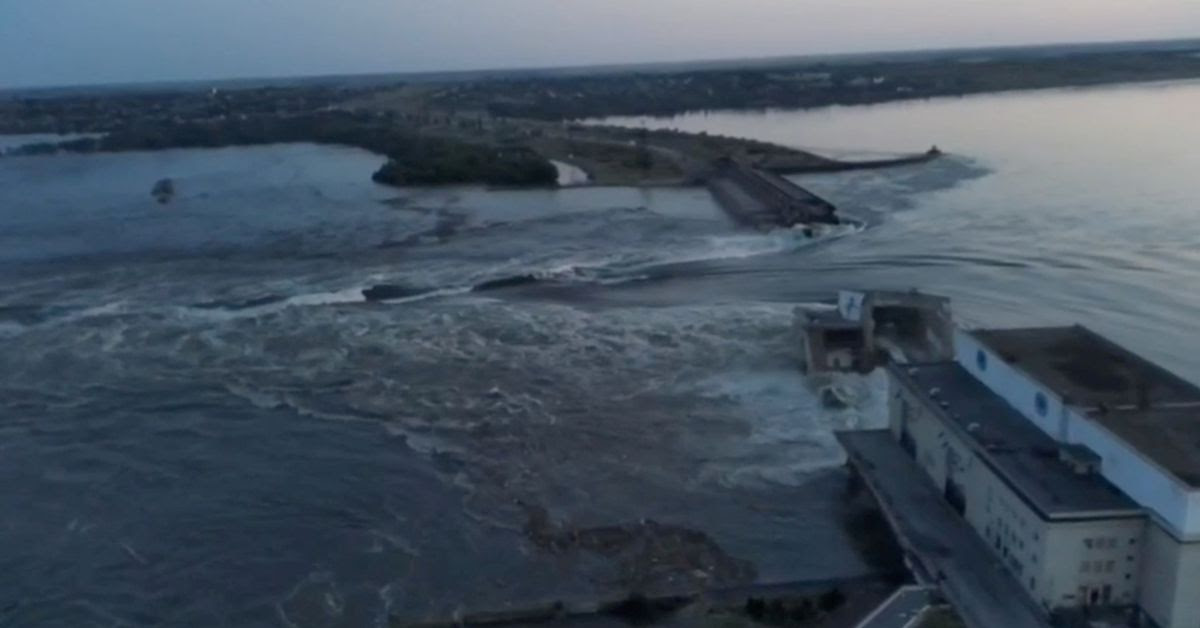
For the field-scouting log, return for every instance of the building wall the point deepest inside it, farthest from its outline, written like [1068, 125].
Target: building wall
[939, 452]
[1192, 522]
[1170, 571]
[821, 357]
[1140, 479]
[1053, 559]
[1164, 570]
[1144, 482]
[812, 346]
[1016, 533]
[1098, 561]
[1047, 558]
[1018, 389]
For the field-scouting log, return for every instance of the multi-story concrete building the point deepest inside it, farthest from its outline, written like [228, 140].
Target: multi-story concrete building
[1075, 459]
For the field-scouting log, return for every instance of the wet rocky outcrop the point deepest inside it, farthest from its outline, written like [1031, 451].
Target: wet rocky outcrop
[648, 556]
[384, 292]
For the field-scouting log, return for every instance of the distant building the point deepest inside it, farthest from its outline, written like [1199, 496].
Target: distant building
[1075, 459]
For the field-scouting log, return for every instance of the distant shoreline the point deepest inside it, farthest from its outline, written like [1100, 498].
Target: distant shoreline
[508, 132]
[1000, 92]
[373, 78]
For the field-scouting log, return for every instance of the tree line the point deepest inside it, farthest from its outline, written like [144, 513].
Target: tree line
[413, 158]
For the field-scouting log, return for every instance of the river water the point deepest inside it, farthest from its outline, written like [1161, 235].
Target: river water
[204, 422]
[1054, 207]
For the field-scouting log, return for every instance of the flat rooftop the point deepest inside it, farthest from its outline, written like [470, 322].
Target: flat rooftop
[1087, 369]
[1168, 436]
[1021, 454]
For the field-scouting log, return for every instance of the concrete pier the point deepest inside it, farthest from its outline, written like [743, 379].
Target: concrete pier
[783, 164]
[764, 200]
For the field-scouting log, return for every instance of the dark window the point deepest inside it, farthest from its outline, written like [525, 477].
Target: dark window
[1039, 402]
[981, 359]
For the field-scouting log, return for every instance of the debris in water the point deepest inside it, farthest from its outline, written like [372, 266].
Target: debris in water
[163, 191]
[133, 553]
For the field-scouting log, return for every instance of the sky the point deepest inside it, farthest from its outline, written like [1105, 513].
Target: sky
[69, 42]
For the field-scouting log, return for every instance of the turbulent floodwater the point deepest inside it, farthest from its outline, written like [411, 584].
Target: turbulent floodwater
[205, 422]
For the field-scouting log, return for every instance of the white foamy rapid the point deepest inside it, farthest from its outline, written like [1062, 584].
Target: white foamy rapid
[422, 421]
[791, 423]
[570, 174]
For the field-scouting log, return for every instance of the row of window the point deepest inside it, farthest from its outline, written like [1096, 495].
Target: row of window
[1097, 566]
[1094, 595]
[1104, 542]
[1006, 534]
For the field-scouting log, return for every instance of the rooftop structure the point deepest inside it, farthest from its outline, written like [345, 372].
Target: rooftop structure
[1144, 405]
[1169, 436]
[1032, 464]
[1087, 369]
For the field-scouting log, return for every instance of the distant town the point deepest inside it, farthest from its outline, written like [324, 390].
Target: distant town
[505, 128]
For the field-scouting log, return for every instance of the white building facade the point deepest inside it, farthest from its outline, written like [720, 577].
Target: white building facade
[1142, 425]
[1065, 552]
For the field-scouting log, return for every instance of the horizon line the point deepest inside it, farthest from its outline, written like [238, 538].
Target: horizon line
[600, 68]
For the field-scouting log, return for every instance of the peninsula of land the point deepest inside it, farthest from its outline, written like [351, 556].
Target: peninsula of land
[507, 128]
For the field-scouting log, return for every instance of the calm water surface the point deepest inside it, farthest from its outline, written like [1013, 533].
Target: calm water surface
[204, 423]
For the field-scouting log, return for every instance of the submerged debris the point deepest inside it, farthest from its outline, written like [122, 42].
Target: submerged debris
[163, 191]
[649, 556]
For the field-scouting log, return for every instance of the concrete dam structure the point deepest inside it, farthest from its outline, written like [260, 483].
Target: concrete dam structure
[764, 200]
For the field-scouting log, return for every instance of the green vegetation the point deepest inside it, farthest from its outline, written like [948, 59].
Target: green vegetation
[638, 610]
[446, 162]
[413, 158]
[500, 129]
[794, 611]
